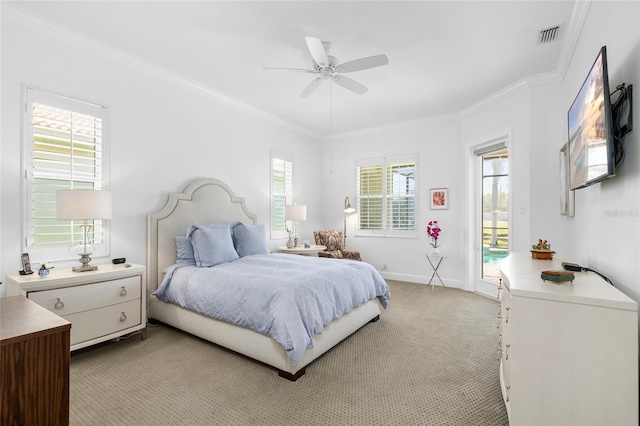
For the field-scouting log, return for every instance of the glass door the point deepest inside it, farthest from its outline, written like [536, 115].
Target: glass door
[495, 213]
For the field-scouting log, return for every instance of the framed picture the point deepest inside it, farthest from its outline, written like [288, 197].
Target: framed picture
[439, 198]
[567, 197]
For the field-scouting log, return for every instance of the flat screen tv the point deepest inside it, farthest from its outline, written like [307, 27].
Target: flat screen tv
[591, 143]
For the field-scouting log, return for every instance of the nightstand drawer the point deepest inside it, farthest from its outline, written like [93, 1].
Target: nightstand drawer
[71, 300]
[103, 321]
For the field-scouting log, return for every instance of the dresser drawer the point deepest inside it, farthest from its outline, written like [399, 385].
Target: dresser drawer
[71, 300]
[103, 321]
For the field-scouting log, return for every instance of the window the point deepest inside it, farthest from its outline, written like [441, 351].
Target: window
[281, 191]
[65, 143]
[387, 196]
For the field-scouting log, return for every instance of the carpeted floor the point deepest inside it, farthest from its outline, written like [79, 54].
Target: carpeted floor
[432, 359]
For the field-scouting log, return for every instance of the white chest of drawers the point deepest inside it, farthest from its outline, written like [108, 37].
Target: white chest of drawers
[569, 352]
[101, 305]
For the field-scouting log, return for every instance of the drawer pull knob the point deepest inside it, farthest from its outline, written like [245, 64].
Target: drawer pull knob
[123, 292]
[123, 317]
[59, 305]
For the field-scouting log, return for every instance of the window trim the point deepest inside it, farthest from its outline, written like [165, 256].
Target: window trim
[275, 154]
[384, 232]
[60, 253]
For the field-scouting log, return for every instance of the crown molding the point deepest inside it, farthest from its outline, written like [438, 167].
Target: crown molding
[82, 41]
[572, 35]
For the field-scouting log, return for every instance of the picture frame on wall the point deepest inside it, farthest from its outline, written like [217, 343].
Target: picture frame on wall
[567, 197]
[439, 198]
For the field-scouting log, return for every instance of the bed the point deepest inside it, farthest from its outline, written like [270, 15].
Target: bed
[208, 201]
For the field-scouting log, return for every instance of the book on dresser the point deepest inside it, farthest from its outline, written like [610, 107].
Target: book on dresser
[569, 351]
[101, 305]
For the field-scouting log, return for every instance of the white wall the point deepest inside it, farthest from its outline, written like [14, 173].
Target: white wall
[440, 165]
[156, 124]
[163, 135]
[534, 120]
[607, 241]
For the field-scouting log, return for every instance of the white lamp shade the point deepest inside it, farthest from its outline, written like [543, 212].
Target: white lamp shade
[81, 204]
[347, 206]
[295, 213]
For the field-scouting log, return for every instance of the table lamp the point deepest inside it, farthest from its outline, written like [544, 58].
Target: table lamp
[295, 214]
[85, 205]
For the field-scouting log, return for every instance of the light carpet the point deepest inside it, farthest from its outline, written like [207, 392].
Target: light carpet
[431, 359]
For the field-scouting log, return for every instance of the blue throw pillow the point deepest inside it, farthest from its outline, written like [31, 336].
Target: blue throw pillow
[212, 244]
[249, 239]
[184, 251]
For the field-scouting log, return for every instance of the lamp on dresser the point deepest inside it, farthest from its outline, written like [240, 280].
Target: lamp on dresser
[86, 205]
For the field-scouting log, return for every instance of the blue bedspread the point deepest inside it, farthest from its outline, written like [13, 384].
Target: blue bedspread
[289, 298]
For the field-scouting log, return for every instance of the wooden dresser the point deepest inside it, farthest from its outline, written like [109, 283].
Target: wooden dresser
[569, 352]
[35, 364]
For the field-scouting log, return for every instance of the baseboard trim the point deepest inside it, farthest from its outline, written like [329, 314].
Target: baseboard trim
[421, 279]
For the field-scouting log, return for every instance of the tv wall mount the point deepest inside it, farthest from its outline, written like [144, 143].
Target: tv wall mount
[622, 111]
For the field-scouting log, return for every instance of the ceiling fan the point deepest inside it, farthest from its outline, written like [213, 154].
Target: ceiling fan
[329, 67]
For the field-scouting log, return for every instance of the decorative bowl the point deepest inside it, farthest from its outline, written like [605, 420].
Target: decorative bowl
[542, 254]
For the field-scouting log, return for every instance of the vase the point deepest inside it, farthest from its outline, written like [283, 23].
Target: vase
[435, 250]
[290, 243]
[43, 272]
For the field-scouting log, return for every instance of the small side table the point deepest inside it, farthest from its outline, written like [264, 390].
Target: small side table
[435, 260]
[314, 249]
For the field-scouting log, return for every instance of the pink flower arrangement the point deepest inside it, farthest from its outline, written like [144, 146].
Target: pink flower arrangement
[433, 231]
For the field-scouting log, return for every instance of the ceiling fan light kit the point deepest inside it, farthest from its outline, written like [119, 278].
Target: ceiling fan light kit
[327, 66]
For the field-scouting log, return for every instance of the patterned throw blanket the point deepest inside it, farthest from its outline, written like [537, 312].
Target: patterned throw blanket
[289, 298]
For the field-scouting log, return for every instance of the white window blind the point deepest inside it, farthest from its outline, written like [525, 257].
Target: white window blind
[65, 149]
[387, 196]
[281, 191]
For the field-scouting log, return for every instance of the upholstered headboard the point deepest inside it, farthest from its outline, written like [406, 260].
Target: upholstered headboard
[204, 201]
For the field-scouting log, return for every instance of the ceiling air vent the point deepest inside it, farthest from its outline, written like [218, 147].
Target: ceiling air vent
[549, 35]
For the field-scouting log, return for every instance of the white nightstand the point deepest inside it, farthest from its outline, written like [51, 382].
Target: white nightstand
[101, 305]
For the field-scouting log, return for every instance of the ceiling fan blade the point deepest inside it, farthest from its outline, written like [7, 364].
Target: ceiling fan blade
[363, 63]
[350, 84]
[288, 69]
[311, 87]
[317, 51]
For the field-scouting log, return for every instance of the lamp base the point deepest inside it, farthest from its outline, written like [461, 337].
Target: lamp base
[84, 259]
[84, 268]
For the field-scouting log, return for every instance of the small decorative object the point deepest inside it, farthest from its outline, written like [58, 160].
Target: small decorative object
[290, 243]
[43, 271]
[433, 231]
[306, 244]
[557, 277]
[542, 250]
[439, 198]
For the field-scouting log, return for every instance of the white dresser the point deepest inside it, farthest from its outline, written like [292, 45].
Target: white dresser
[569, 352]
[100, 305]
